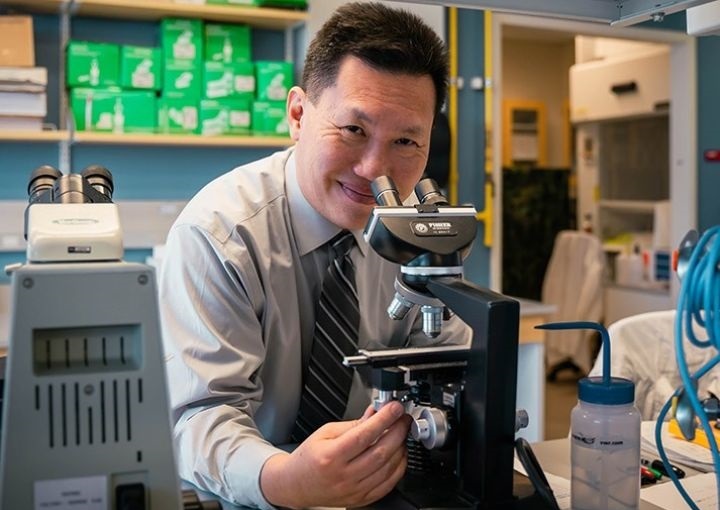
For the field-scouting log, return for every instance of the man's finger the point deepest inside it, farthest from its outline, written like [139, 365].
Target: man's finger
[335, 429]
[368, 413]
[355, 441]
[387, 446]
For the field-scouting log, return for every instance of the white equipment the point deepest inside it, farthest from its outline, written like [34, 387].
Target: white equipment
[86, 421]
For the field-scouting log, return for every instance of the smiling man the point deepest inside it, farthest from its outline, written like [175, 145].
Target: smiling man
[248, 261]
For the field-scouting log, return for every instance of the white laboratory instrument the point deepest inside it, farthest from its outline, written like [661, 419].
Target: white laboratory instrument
[85, 421]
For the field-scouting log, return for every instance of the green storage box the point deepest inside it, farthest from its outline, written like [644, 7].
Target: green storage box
[283, 4]
[92, 64]
[182, 78]
[229, 80]
[178, 115]
[227, 43]
[270, 118]
[113, 110]
[231, 2]
[140, 67]
[288, 4]
[226, 116]
[273, 80]
[182, 39]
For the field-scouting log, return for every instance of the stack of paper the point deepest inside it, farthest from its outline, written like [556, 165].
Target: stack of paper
[702, 489]
[23, 98]
[678, 450]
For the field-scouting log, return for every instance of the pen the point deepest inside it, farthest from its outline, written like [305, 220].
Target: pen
[660, 466]
[647, 464]
[646, 476]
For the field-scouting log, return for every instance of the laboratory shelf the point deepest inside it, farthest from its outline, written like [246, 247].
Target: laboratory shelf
[84, 137]
[33, 136]
[261, 17]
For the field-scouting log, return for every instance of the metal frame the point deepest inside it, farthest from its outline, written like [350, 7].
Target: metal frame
[615, 12]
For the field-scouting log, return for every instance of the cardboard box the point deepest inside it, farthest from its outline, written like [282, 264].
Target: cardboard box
[92, 64]
[178, 115]
[140, 67]
[114, 110]
[17, 47]
[270, 118]
[273, 80]
[227, 116]
[229, 80]
[182, 78]
[227, 43]
[182, 39]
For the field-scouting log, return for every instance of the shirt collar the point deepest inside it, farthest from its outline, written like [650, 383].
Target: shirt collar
[311, 228]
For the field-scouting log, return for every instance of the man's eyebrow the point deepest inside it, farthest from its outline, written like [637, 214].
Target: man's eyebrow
[409, 130]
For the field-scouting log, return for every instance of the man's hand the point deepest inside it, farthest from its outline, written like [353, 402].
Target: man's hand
[343, 464]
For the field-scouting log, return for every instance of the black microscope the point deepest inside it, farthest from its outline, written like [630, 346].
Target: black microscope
[461, 398]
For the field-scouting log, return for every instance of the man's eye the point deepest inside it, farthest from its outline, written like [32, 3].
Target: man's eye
[353, 129]
[406, 142]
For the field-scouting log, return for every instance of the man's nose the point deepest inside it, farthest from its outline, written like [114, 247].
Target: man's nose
[374, 163]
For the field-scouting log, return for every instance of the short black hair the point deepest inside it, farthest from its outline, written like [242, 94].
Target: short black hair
[392, 40]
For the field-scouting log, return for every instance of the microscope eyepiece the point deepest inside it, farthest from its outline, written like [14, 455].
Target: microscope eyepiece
[385, 192]
[428, 192]
[42, 179]
[99, 178]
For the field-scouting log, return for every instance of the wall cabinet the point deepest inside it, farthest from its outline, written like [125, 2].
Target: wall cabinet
[635, 85]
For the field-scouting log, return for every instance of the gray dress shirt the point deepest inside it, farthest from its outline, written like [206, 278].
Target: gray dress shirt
[239, 281]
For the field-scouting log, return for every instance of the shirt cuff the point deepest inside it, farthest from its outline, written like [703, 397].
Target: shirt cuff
[243, 473]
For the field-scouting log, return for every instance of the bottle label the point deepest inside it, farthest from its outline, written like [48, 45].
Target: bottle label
[610, 442]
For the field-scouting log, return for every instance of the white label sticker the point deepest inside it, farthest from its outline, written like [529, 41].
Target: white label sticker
[87, 493]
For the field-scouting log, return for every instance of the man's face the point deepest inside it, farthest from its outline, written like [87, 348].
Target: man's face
[370, 123]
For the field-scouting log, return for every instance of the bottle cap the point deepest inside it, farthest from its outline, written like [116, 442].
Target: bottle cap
[599, 390]
[594, 391]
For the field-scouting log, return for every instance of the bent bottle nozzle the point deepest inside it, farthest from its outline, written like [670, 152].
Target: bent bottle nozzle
[587, 325]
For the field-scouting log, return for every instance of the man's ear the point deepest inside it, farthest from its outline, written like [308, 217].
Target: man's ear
[295, 110]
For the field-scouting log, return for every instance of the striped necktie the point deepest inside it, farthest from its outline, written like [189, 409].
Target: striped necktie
[337, 318]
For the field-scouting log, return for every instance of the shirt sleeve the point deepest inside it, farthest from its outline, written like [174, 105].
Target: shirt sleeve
[214, 350]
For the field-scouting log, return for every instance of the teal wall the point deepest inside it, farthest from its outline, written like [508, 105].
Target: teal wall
[708, 119]
[708, 49]
[471, 134]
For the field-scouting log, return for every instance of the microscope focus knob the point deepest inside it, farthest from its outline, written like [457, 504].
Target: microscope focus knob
[420, 430]
[430, 427]
[522, 420]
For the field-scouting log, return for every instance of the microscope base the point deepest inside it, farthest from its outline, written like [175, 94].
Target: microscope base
[524, 498]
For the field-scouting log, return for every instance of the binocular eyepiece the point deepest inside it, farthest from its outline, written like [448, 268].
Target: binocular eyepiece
[48, 185]
[386, 193]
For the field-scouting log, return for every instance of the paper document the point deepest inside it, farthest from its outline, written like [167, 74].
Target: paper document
[678, 450]
[701, 488]
[559, 485]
